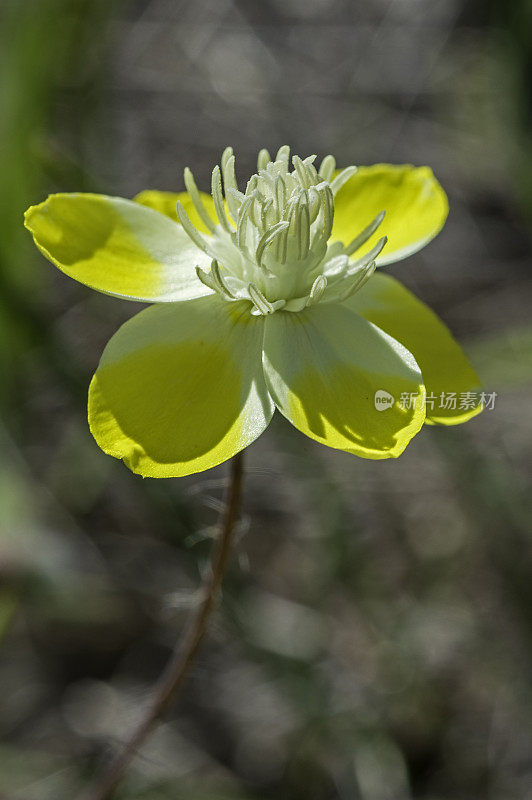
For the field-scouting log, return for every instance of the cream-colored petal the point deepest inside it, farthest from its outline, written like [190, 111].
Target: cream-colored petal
[166, 203]
[118, 247]
[326, 369]
[180, 388]
[415, 204]
[451, 382]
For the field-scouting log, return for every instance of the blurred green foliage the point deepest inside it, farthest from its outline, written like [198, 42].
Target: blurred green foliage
[512, 42]
[42, 43]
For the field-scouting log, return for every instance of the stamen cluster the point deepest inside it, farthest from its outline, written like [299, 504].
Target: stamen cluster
[271, 243]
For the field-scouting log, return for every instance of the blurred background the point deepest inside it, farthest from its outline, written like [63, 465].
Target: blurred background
[375, 637]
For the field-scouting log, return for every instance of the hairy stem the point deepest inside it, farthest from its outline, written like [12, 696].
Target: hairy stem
[171, 680]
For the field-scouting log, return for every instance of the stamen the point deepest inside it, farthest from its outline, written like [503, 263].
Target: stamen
[368, 272]
[371, 255]
[360, 279]
[230, 184]
[293, 213]
[313, 176]
[366, 275]
[195, 196]
[255, 209]
[282, 246]
[336, 266]
[327, 167]
[280, 194]
[314, 197]
[362, 237]
[285, 217]
[206, 278]
[280, 200]
[260, 301]
[318, 287]
[268, 177]
[217, 196]
[303, 227]
[264, 209]
[252, 184]
[242, 220]
[219, 280]
[301, 172]
[215, 281]
[328, 211]
[237, 194]
[226, 155]
[268, 237]
[283, 154]
[189, 228]
[263, 159]
[342, 178]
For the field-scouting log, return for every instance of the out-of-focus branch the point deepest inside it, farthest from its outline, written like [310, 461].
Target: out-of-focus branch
[171, 680]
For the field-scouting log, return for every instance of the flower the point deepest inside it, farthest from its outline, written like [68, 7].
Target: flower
[261, 300]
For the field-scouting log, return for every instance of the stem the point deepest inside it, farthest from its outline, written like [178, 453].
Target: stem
[171, 680]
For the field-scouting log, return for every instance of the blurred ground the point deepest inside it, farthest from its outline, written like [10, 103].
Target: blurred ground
[375, 639]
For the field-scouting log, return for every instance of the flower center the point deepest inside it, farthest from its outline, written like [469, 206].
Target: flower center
[271, 244]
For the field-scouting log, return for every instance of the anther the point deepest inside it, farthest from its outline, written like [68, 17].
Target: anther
[341, 178]
[197, 202]
[280, 194]
[263, 305]
[301, 172]
[318, 287]
[328, 211]
[314, 198]
[362, 237]
[360, 279]
[189, 228]
[230, 185]
[327, 167]
[283, 154]
[264, 209]
[312, 174]
[219, 279]
[268, 237]
[371, 255]
[263, 159]
[303, 227]
[243, 217]
[218, 198]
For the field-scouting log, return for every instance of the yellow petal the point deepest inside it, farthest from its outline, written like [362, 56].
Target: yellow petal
[180, 388]
[165, 203]
[416, 208]
[445, 369]
[326, 369]
[117, 247]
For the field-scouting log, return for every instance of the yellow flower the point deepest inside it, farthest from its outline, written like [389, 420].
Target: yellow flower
[261, 301]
